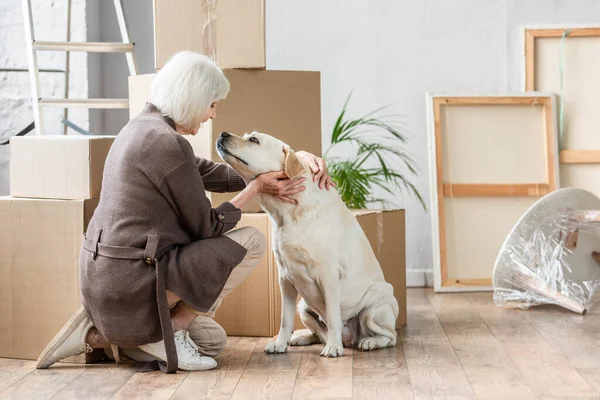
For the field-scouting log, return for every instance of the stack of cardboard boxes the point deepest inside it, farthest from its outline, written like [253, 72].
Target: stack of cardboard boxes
[55, 184]
[56, 181]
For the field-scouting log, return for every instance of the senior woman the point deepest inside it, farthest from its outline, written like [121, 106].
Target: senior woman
[158, 259]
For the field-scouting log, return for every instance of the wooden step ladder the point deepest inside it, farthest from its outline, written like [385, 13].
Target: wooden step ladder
[33, 46]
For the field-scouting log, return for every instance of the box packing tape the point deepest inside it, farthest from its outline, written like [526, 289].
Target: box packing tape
[379, 231]
[209, 30]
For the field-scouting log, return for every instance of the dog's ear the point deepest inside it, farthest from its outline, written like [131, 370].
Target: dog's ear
[292, 166]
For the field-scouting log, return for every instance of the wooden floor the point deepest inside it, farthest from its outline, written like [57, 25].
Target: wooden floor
[455, 346]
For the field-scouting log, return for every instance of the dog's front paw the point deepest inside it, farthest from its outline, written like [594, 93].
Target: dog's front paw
[276, 347]
[332, 351]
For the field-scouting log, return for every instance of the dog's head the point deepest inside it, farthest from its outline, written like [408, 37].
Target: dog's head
[257, 153]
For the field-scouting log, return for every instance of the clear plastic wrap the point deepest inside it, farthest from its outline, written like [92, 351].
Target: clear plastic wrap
[552, 255]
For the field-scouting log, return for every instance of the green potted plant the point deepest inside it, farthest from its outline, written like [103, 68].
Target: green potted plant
[376, 140]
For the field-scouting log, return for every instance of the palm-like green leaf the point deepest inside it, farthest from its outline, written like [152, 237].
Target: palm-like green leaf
[354, 180]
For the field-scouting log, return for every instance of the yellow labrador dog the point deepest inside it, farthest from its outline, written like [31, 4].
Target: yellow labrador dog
[322, 254]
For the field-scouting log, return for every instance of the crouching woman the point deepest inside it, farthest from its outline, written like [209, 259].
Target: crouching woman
[158, 258]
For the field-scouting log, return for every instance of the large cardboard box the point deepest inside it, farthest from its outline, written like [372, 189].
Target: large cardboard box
[58, 166]
[232, 32]
[248, 309]
[254, 307]
[40, 242]
[284, 104]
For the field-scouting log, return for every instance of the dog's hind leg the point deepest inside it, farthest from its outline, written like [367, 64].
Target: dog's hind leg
[316, 331]
[377, 325]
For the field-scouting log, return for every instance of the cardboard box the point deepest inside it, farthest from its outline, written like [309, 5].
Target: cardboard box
[284, 104]
[58, 166]
[40, 242]
[254, 307]
[385, 230]
[234, 37]
[248, 310]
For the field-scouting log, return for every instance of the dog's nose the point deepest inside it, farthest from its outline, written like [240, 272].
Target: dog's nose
[225, 134]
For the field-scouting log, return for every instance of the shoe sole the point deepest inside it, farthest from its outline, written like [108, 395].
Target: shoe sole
[60, 337]
[184, 367]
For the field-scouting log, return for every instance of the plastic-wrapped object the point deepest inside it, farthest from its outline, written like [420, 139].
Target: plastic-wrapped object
[552, 254]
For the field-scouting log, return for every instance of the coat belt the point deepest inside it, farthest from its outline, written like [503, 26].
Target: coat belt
[149, 255]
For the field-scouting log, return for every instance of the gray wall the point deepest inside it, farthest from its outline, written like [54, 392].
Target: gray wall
[92, 20]
[114, 71]
[15, 97]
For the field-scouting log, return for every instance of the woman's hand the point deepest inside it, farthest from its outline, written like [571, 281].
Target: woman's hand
[274, 183]
[318, 168]
[279, 185]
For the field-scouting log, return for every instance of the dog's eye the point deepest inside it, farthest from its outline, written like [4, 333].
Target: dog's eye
[254, 140]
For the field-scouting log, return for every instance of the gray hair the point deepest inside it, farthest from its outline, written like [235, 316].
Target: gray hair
[186, 87]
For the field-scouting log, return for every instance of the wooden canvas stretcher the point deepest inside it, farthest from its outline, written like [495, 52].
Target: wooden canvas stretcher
[491, 157]
[580, 55]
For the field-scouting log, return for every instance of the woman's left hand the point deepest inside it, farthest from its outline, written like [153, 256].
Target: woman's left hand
[318, 167]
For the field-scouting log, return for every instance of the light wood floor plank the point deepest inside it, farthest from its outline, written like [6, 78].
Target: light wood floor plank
[97, 382]
[458, 346]
[423, 321]
[13, 370]
[433, 366]
[221, 382]
[151, 385]
[42, 384]
[590, 324]
[321, 377]
[489, 369]
[269, 375]
[429, 352]
[424, 340]
[561, 328]
[440, 383]
[566, 398]
[547, 371]
[592, 376]
[381, 374]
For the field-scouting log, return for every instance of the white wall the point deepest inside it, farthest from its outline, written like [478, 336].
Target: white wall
[92, 20]
[394, 51]
[94, 71]
[15, 96]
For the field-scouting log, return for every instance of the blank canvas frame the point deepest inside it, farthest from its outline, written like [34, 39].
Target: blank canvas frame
[491, 157]
[580, 150]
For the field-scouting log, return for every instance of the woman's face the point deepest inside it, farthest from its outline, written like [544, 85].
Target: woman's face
[212, 113]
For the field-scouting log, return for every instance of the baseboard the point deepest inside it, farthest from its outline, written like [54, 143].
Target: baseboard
[419, 278]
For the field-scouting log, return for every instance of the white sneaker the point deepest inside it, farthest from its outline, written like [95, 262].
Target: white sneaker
[187, 353]
[69, 341]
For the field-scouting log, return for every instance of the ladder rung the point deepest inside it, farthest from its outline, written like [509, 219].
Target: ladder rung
[62, 71]
[85, 103]
[92, 47]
